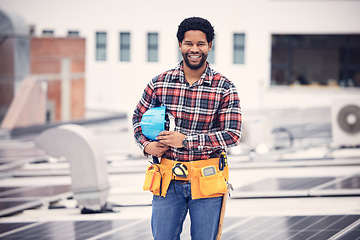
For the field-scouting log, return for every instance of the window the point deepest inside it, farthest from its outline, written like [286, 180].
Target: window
[152, 47]
[316, 60]
[32, 30]
[239, 48]
[48, 33]
[100, 46]
[211, 56]
[73, 33]
[180, 56]
[125, 47]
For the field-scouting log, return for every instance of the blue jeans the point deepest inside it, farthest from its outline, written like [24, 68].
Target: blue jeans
[168, 214]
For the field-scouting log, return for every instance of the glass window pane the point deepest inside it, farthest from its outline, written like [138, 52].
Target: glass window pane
[152, 47]
[125, 38]
[125, 55]
[100, 54]
[152, 38]
[180, 57]
[315, 59]
[239, 56]
[73, 34]
[48, 33]
[211, 56]
[101, 38]
[239, 39]
[101, 46]
[125, 46]
[152, 57]
[239, 48]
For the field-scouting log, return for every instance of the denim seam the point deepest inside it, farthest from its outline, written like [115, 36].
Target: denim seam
[181, 223]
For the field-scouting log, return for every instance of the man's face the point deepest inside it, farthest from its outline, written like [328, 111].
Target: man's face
[195, 49]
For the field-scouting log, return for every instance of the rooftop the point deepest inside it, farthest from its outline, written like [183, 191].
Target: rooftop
[299, 190]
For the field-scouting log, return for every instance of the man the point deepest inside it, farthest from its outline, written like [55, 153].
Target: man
[207, 114]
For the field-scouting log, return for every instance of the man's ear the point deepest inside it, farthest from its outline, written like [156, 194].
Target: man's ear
[210, 45]
[179, 44]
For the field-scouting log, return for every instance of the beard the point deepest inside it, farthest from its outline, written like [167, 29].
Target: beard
[194, 66]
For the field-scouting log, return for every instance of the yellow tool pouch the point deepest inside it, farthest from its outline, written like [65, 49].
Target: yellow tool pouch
[201, 187]
[157, 179]
[212, 184]
[208, 187]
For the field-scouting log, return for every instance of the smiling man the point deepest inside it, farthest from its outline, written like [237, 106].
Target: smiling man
[192, 174]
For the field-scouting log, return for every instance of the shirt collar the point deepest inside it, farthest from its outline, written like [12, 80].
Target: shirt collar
[206, 77]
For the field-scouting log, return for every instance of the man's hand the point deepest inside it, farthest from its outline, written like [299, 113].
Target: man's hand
[156, 149]
[171, 138]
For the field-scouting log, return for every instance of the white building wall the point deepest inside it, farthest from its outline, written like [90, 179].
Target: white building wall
[116, 85]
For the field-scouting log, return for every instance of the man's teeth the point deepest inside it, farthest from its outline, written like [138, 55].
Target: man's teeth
[196, 56]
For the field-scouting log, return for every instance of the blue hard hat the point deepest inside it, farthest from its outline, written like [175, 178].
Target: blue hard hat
[153, 122]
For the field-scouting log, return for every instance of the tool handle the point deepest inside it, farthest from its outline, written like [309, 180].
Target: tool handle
[222, 215]
[155, 160]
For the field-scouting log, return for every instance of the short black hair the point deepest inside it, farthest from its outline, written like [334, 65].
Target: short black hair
[195, 23]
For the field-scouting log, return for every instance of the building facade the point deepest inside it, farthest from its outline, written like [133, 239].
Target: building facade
[279, 53]
[54, 66]
[61, 63]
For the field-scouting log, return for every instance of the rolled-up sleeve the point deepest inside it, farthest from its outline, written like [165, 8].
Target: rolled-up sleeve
[230, 120]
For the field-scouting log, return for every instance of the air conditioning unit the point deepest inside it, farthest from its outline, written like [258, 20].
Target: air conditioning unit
[256, 132]
[345, 122]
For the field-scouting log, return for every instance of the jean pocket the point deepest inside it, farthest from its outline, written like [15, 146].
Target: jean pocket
[213, 184]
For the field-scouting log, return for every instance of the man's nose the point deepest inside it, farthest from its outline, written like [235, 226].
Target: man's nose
[194, 48]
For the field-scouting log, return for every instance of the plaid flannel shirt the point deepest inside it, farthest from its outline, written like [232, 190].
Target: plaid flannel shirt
[208, 112]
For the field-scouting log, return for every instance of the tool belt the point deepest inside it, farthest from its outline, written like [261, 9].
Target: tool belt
[203, 185]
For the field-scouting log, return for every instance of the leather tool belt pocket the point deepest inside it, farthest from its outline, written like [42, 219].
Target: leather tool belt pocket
[157, 179]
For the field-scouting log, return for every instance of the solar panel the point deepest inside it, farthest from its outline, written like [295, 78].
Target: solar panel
[16, 199]
[291, 227]
[349, 185]
[352, 233]
[6, 204]
[7, 227]
[4, 190]
[352, 182]
[20, 150]
[8, 207]
[300, 187]
[40, 191]
[285, 184]
[80, 230]
[249, 228]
